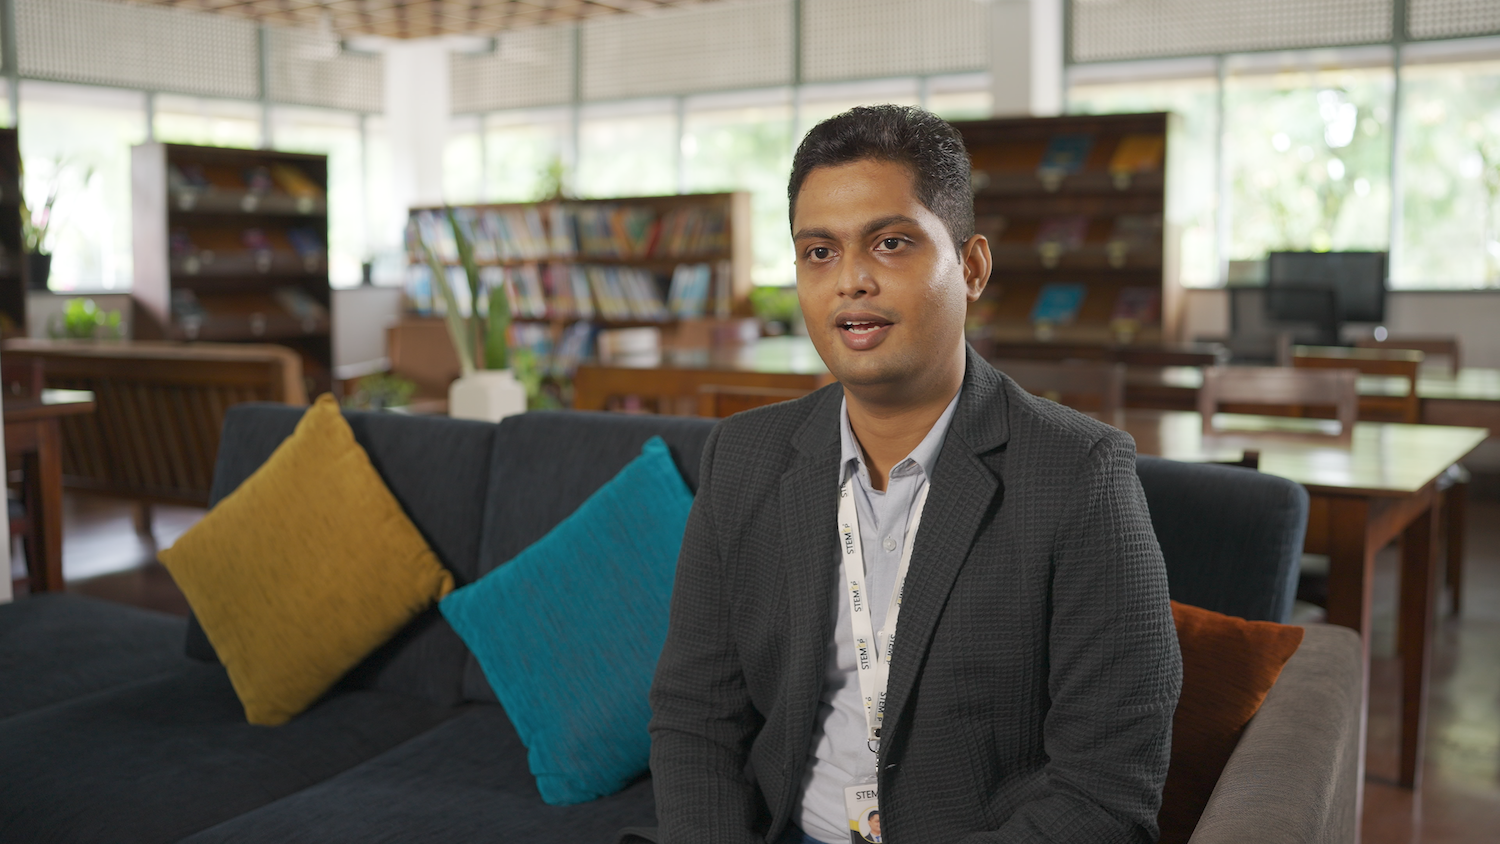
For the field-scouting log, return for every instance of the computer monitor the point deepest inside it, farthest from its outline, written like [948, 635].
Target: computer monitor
[1357, 279]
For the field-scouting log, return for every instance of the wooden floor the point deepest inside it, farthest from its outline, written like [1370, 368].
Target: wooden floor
[1460, 797]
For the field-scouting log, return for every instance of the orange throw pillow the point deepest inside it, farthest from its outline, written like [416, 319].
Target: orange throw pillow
[1228, 667]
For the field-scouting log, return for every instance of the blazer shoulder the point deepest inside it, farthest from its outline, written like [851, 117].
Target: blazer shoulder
[1048, 426]
[771, 435]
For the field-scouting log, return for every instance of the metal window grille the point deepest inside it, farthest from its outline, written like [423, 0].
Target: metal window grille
[306, 67]
[529, 67]
[869, 39]
[92, 42]
[712, 47]
[1115, 30]
[1452, 18]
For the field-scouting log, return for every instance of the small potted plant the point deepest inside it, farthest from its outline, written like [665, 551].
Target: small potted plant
[487, 389]
[35, 226]
[81, 319]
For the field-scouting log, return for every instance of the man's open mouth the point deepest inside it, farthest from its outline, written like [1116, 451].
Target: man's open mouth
[862, 326]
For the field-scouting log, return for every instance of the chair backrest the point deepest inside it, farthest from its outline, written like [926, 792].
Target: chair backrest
[717, 401]
[1444, 347]
[1280, 386]
[1081, 385]
[159, 408]
[1232, 539]
[1402, 363]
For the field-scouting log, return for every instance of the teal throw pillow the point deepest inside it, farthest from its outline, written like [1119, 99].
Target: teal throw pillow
[569, 631]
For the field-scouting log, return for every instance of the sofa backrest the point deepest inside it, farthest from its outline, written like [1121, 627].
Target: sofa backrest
[1231, 537]
[438, 469]
[546, 464]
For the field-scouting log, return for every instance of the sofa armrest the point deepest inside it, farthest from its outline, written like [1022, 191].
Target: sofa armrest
[1294, 776]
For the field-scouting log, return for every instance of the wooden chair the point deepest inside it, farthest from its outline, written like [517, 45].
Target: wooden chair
[1444, 347]
[1094, 386]
[1281, 387]
[717, 401]
[154, 436]
[1400, 363]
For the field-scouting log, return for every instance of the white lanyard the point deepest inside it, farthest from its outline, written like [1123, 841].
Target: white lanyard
[873, 670]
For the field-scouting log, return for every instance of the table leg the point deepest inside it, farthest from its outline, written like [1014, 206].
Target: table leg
[1351, 578]
[1419, 590]
[48, 516]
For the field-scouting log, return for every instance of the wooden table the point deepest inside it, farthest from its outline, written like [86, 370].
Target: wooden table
[33, 442]
[1365, 493]
[675, 376]
[1471, 398]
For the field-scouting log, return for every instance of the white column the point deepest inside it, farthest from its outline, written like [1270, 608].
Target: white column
[417, 98]
[1026, 57]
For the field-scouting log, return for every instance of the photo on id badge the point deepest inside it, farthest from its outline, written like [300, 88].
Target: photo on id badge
[863, 812]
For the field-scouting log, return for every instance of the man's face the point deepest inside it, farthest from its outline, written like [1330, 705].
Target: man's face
[882, 289]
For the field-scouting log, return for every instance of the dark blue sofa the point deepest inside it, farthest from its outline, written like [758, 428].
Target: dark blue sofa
[112, 731]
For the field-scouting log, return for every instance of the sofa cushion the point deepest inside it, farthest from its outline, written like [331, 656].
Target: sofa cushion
[1228, 667]
[546, 464]
[305, 569]
[162, 758]
[438, 469]
[569, 632]
[55, 647]
[466, 780]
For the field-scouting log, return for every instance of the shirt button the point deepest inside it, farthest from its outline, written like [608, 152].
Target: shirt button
[889, 544]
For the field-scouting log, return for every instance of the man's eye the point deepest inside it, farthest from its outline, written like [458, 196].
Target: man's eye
[820, 252]
[891, 243]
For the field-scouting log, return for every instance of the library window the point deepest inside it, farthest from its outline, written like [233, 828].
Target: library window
[384, 220]
[1308, 158]
[627, 150]
[77, 139]
[206, 122]
[1450, 177]
[729, 146]
[1192, 201]
[524, 154]
[463, 161]
[335, 134]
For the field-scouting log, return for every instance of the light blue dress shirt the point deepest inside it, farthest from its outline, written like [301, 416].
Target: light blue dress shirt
[839, 752]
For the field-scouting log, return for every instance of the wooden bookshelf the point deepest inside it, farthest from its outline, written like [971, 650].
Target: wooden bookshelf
[231, 245]
[1077, 200]
[13, 271]
[599, 263]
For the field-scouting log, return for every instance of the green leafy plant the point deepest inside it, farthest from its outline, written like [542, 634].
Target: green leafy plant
[482, 340]
[84, 320]
[380, 391]
[35, 225]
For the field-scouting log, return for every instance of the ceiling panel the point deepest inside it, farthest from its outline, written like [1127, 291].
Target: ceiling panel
[419, 18]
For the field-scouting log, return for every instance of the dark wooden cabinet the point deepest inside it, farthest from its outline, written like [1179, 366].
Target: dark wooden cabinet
[231, 245]
[13, 274]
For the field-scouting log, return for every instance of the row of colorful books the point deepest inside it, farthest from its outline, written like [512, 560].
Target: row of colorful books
[560, 359]
[579, 291]
[1058, 303]
[567, 230]
[192, 177]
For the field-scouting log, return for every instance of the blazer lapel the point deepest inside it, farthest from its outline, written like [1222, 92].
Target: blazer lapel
[809, 501]
[963, 490]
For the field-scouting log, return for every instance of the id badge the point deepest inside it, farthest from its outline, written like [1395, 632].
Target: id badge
[863, 808]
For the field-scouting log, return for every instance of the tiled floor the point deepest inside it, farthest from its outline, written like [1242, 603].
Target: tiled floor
[1459, 802]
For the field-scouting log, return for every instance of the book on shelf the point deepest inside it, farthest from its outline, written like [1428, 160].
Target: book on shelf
[1057, 236]
[1058, 303]
[687, 298]
[1136, 153]
[1064, 156]
[575, 345]
[1133, 233]
[1137, 306]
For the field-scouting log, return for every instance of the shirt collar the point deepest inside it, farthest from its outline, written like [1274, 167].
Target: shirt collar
[923, 457]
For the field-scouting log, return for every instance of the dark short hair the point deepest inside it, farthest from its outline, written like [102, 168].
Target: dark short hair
[930, 147]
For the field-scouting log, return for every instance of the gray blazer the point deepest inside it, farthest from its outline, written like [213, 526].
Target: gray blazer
[1036, 672]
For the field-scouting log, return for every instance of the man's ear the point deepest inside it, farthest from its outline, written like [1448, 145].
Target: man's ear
[976, 260]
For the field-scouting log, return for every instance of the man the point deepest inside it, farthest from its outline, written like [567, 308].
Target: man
[1030, 693]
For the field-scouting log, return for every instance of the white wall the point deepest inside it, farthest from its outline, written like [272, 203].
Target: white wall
[1472, 317]
[360, 317]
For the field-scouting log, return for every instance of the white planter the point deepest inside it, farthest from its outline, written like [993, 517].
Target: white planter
[488, 395]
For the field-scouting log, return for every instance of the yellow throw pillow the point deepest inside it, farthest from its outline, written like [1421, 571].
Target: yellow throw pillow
[304, 570]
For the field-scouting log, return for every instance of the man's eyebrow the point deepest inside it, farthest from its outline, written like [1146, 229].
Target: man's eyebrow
[814, 234]
[870, 228]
